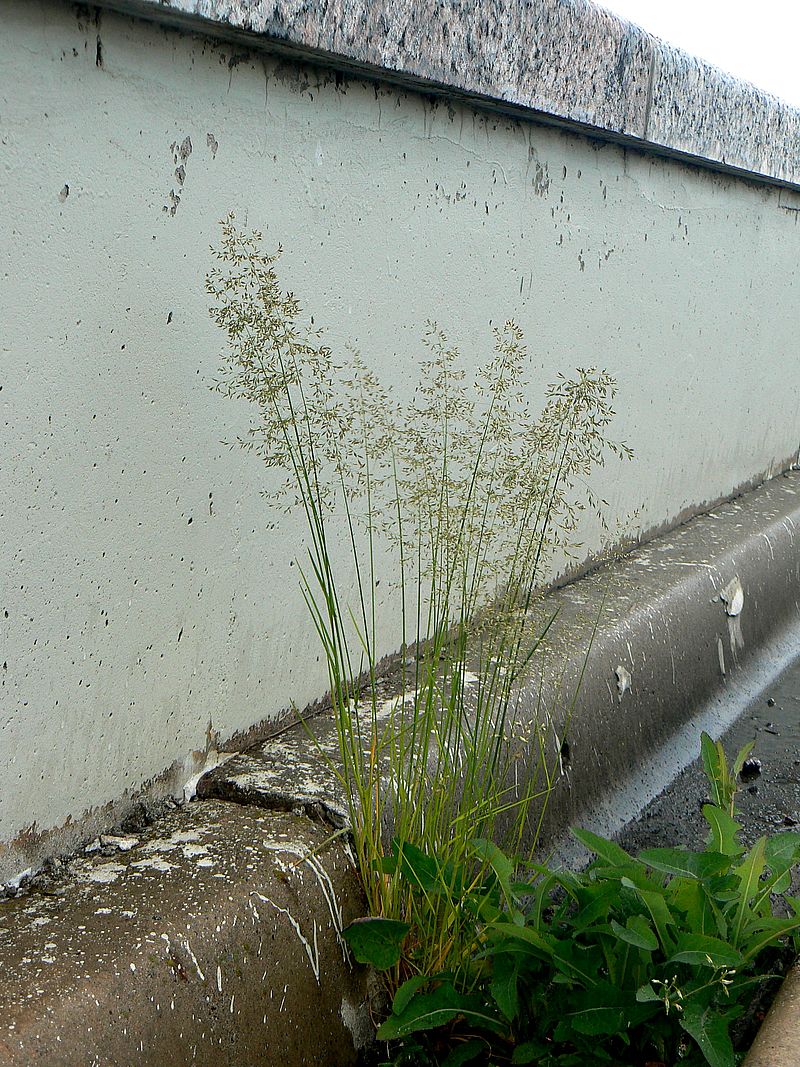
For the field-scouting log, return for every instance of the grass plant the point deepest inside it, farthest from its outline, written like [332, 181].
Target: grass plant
[457, 497]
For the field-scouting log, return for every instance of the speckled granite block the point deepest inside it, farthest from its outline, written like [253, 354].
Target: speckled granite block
[702, 111]
[517, 53]
[567, 60]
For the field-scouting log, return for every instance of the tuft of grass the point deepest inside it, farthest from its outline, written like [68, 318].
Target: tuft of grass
[467, 494]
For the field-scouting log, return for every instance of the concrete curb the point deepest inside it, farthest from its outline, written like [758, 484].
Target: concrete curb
[214, 929]
[212, 938]
[777, 1043]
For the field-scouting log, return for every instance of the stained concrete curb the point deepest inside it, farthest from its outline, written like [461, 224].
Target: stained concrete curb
[777, 1043]
[212, 938]
[187, 943]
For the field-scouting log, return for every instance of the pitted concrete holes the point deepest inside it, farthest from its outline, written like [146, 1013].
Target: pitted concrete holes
[623, 681]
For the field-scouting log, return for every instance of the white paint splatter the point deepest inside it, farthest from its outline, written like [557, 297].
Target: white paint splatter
[733, 597]
[623, 681]
[105, 873]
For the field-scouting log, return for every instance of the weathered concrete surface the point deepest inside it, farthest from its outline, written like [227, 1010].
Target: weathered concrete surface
[688, 627]
[778, 1040]
[568, 60]
[210, 939]
[150, 610]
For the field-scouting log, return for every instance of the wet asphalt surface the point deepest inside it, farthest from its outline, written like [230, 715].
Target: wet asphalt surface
[767, 802]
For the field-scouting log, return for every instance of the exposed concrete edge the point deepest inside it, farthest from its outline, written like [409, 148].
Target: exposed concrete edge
[777, 1043]
[566, 62]
[25, 853]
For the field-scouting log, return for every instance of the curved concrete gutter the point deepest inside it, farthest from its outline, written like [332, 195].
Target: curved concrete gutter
[777, 1043]
[688, 627]
[218, 927]
[212, 938]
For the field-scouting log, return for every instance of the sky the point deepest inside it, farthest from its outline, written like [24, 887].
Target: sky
[759, 42]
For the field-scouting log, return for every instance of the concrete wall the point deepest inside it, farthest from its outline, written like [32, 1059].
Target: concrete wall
[149, 604]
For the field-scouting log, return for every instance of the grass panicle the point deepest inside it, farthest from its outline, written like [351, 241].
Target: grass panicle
[468, 495]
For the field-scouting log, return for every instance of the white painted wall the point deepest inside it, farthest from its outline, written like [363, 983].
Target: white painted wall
[147, 591]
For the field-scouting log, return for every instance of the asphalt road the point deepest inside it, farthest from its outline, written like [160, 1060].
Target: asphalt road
[767, 802]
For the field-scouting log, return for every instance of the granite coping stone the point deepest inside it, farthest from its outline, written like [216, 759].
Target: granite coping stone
[564, 61]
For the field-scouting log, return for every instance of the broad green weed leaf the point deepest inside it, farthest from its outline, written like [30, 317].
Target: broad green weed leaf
[714, 764]
[505, 973]
[741, 756]
[594, 902]
[488, 852]
[606, 1010]
[686, 864]
[427, 1011]
[495, 857]
[606, 850]
[704, 952]
[407, 991]
[767, 932]
[748, 874]
[724, 835]
[637, 932]
[529, 1052]
[782, 851]
[647, 995]
[419, 868]
[465, 1053]
[376, 941]
[710, 1032]
[659, 912]
[508, 932]
[702, 914]
[583, 965]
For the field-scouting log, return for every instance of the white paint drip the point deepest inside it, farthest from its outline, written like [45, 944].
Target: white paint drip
[18, 879]
[325, 884]
[154, 863]
[212, 759]
[105, 873]
[311, 952]
[194, 961]
[124, 844]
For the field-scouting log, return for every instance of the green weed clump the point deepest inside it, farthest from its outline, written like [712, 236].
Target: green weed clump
[637, 961]
[458, 496]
